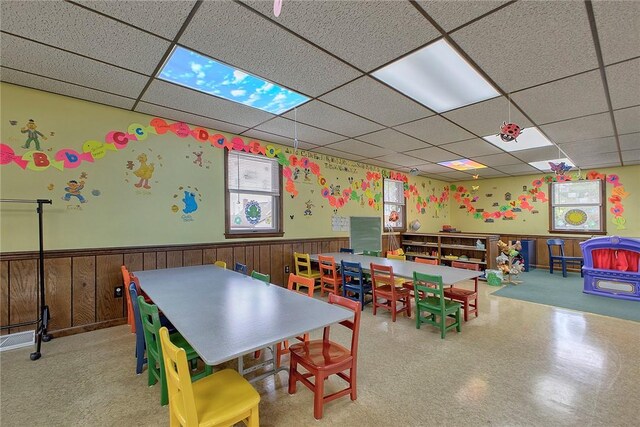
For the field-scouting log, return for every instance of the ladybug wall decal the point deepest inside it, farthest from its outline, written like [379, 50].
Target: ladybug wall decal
[509, 132]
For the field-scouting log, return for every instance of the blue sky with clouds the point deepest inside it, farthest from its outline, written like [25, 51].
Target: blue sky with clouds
[198, 72]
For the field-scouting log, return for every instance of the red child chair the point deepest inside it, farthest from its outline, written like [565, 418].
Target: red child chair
[467, 297]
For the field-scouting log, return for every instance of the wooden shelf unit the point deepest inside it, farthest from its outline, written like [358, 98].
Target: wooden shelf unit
[422, 245]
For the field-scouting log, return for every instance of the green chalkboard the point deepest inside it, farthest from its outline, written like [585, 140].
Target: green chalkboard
[365, 233]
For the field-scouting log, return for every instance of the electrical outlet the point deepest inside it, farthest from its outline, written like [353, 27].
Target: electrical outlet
[117, 292]
[286, 269]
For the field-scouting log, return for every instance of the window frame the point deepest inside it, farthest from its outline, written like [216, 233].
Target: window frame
[404, 208]
[602, 210]
[278, 231]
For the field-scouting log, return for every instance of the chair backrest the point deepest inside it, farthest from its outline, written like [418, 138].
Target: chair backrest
[346, 250]
[181, 398]
[426, 261]
[328, 269]
[371, 253]
[354, 324]
[382, 275]
[220, 264]
[241, 268]
[397, 257]
[150, 319]
[304, 281]
[465, 265]
[302, 263]
[351, 271]
[426, 284]
[555, 242]
[133, 294]
[260, 276]
[126, 278]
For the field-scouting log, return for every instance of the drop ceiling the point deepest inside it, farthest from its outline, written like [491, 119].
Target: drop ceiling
[570, 68]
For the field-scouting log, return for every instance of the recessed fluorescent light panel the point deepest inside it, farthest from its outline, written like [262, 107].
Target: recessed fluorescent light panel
[203, 74]
[529, 138]
[438, 77]
[545, 167]
[462, 164]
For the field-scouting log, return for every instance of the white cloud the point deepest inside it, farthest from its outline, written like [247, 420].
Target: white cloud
[238, 92]
[265, 88]
[195, 67]
[279, 97]
[252, 98]
[200, 82]
[238, 76]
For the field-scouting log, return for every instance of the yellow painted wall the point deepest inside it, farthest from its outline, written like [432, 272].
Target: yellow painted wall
[538, 223]
[119, 214]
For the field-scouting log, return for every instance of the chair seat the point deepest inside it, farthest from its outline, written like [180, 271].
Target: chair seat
[385, 290]
[222, 396]
[313, 274]
[179, 341]
[356, 287]
[319, 354]
[458, 293]
[433, 303]
[568, 258]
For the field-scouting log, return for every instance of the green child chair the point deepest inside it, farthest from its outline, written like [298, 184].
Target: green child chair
[429, 295]
[155, 364]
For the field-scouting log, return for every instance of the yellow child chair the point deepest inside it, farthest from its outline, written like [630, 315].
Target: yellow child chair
[303, 268]
[398, 257]
[220, 399]
[220, 264]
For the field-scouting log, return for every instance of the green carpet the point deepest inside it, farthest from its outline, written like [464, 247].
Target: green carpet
[543, 288]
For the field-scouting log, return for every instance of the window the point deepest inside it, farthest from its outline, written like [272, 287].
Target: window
[253, 202]
[577, 207]
[394, 210]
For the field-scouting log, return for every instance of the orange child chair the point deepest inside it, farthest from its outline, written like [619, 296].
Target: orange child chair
[322, 358]
[426, 261]
[126, 280]
[330, 280]
[294, 284]
[469, 298]
[385, 287]
[220, 399]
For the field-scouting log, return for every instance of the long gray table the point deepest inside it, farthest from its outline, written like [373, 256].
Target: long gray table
[224, 314]
[450, 275]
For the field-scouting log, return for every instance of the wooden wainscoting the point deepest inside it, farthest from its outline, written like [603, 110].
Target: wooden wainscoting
[80, 283]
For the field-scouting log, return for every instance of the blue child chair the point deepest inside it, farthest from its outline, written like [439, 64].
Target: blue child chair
[354, 284]
[561, 258]
[241, 268]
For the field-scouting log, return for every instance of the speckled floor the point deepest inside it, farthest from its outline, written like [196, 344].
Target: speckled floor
[518, 364]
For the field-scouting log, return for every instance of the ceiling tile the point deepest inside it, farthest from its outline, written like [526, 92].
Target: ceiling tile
[628, 120]
[485, 118]
[538, 154]
[515, 47]
[160, 17]
[451, 14]
[231, 33]
[624, 83]
[618, 25]
[456, 175]
[168, 113]
[630, 141]
[589, 127]
[46, 61]
[400, 159]
[602, 165]
[180, 98]
[631, 156]
[62, 88]
[369, 98]
[591, 146]
[372, 34]
[360, 148]
[564, 99]
[487, 173]
[286, 127]
[435, 130]
[282, 140]
[389, 138]
[325, 116]
[472, 147]
[381, 163]
[497, 160]
[589, 160]
[433, 154]
[432, 168]
[518, 168]
[79, 30]
[338, 153]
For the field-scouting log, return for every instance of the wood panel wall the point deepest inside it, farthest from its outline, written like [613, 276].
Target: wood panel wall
[80, 284]
[571, 247]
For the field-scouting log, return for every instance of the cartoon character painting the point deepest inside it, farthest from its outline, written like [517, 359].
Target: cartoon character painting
[73, 188]
[190, 204]
[198, 160]
[144, 172]
[309, 205]
[32, 134]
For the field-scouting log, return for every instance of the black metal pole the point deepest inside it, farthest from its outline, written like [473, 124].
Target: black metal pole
[41, 330]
